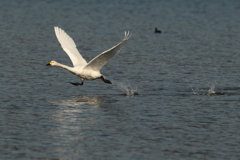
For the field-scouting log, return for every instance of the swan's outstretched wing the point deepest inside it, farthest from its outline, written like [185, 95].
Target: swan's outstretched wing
[69, 47]
[98, 62]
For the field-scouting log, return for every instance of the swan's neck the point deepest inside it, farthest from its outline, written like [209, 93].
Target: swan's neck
[64, 66]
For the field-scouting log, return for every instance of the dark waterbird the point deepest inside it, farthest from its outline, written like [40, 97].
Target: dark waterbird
[157, 31]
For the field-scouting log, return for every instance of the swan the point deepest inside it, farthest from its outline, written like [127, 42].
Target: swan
[82, 69]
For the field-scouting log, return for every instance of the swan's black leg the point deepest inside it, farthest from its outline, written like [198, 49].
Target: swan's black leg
[105, 80]
[77, 84]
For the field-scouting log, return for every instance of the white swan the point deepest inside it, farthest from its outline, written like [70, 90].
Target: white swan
[82, 69]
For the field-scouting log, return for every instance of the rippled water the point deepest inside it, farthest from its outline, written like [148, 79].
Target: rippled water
[168, 116]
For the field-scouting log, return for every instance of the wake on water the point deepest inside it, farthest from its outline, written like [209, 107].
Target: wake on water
[126, 88]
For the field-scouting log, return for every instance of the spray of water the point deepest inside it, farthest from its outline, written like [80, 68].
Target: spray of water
[126, 88]
[211, 91]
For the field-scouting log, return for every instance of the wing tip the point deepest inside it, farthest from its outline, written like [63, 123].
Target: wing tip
[56, 28]
[127, 35]
[59, 31]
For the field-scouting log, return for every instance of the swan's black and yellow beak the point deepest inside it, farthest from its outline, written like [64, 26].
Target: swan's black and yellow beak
[49, 64]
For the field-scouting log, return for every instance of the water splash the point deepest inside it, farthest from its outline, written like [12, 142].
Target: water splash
[126, 88]
[211, 91]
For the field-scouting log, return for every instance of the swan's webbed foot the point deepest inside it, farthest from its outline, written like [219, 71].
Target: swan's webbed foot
[105, 80]
[77, 84]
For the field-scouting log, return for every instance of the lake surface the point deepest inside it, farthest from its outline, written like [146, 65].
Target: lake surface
[169, 116]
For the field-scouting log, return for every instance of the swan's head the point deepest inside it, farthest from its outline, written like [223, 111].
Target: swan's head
[52, 63]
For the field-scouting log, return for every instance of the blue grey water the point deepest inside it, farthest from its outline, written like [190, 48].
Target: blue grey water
[43, 116]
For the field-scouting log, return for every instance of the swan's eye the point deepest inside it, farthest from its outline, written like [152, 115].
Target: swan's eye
[51, 63]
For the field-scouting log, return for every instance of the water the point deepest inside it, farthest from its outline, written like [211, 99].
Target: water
[45, 117]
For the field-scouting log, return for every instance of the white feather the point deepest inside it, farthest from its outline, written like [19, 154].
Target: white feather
[69, 47]
[99, 61]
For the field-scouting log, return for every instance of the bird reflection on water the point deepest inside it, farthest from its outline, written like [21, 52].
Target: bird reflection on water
[79, 101]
